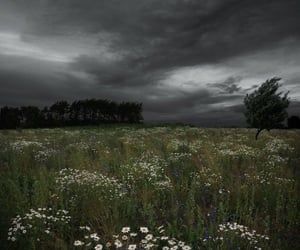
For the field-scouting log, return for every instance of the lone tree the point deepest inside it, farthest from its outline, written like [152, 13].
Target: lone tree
[265, 108]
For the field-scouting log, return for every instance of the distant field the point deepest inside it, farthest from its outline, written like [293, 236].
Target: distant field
[149, 188]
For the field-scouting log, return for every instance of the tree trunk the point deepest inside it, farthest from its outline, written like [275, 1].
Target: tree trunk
[257, 133]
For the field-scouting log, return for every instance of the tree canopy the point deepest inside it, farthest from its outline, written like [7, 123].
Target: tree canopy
[61, 113]
[266, 107]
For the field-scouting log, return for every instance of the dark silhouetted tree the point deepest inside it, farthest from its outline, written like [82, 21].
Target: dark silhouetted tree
[83, 112]
[30, 117]
[112, 111]
[9, 117]
[59, 111]
[294, 122]
[48, 120]
[265, 108]
[75, 109]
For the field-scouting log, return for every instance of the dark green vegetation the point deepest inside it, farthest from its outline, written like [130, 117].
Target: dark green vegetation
[82, 112]
[196, 182]
[265, 108]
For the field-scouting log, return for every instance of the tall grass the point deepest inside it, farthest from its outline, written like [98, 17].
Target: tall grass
[209, 188]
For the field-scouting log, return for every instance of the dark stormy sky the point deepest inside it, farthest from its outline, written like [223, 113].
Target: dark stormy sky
[186, 60]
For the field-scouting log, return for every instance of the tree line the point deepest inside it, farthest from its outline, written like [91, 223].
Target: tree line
[78, 113]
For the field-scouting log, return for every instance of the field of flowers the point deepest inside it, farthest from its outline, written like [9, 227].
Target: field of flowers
[172, 187]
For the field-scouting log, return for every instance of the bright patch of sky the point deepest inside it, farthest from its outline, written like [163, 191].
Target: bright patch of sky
[12, 45]
[55, 49]
[245, 71]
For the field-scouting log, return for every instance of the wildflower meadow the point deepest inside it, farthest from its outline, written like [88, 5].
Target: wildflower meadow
[149, 187]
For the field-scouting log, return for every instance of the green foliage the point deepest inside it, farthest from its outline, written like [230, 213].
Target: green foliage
[62, 114]
[210, 188]
[265, 108]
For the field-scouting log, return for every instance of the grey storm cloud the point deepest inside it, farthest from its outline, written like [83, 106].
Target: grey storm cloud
[230, 85]
[184, 59]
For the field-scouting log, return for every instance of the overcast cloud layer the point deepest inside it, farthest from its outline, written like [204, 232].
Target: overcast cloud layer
[187, 61]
